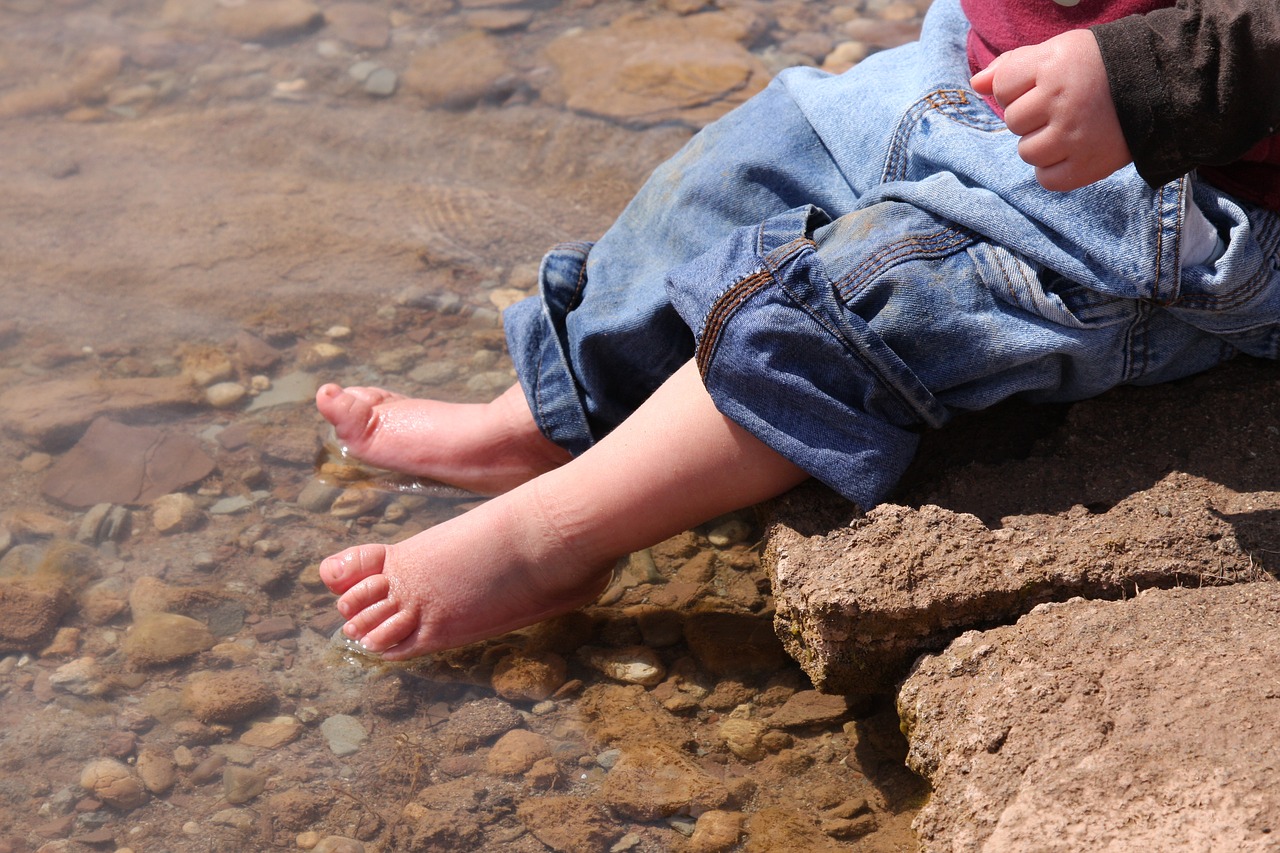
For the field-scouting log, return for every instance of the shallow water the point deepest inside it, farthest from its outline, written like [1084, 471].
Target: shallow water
[201, 223]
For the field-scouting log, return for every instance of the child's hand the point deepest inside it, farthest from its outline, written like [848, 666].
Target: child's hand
[1055, 96]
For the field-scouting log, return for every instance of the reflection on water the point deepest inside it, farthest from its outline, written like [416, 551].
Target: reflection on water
[209, 207]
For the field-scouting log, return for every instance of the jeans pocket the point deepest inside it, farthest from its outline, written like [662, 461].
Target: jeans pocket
[1045, 293]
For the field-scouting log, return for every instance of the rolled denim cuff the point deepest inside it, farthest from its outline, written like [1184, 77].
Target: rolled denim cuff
[782, 358]
[538, 343]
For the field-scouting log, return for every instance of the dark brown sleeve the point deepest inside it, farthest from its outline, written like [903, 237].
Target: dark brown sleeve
[1197, 84]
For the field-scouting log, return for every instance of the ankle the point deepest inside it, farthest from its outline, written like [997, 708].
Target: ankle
[521, 433]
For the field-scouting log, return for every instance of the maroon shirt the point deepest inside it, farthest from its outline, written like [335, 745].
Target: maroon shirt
[1194, 82]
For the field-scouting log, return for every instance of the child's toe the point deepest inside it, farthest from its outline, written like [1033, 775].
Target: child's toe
[347, 568]
[391, 632]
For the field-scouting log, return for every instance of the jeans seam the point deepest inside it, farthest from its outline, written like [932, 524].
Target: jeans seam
[1269, 231]
[945, 102]
[932, 246]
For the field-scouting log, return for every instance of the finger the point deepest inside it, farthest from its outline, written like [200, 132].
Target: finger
[1014, 76]
[1043, 148]
[981, 82]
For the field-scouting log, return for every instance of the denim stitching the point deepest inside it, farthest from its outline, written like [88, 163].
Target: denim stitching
[947, 102]
[929, 247]
[584, 250]
[1268, 232]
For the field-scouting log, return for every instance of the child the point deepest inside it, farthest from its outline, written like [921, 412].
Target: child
[831, 267]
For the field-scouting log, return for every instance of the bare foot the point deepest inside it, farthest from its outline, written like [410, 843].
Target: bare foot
[496, 568]
[487, 448]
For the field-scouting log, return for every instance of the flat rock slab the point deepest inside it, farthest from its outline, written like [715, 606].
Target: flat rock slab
[51, 415]
[858, 603]
[1147, 724]
[118, 464]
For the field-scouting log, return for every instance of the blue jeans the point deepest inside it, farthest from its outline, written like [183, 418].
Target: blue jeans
[852, 258]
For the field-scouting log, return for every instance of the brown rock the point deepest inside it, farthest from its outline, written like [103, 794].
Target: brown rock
[358, 25]
[716, 832]
[174, 513]
[516, 752]
[114, 783]
[272, 734]
[1113, 724]
[857, 603]
[734, 643]
[445, 817]
[569, 824]
[268, 20]
[31, 608]
[157, 770]
[226, 697]
[655, 70]
[810, 708]
[53, 413]
[114, 463]
[652, 781]
[524, 677]
[157, 639]
[778, 828]
[87, 81]
[480, 722]
[617, 714]
[460, 72]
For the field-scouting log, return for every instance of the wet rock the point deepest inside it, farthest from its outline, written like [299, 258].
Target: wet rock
[272, 734]
[241, 784]
[86, 80]
[338, 844]
[353, 503]
[628, 714]
[157, 639]
[226, 697]
[524, 677]
[113, 783]
[445, 817]
[80, 677]
[156, 770]
[358, 25]
[630, 665]
[52, 413]
[297, 808]
[460, 72]
[268, 20]
[499, 20]
[103, 522]
[716, 832]
[344, 734]
[516, 752]
[32, 608]
[569, 824]
[28, 524]
[734, 644]
[779, 828]
[1116, 724]
[241, 819]
[652, 781]
[103, 601]
[175, 513]
[856, 605]
[479, 722]
[659, 69]
[382, 83]
[152, 595]
[810, 708]
[119, 464]
[743, 737]
[317, 496]
[225, 395]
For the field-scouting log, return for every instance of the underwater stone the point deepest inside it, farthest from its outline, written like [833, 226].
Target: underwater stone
[114, 783]
[162, 638]
[226, 697]
[344, 734]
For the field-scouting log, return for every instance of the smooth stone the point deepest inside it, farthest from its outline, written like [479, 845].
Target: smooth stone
[353, 503]
[231, 505]
[226, 697]
[242, 819]
[53, 413]
[119, 464]
[358, 25]
[272, 734]
[516, 752]
[344, 734]
[338, 844]
[163, 638]
[361, 70]
[175, 513]
[114, 783]
[268, 20]
[382, 83]
[224, 395]
[529, 677]
[460, 72]
[240, 784]
[630, 665]
[291, 389]
[157, 770]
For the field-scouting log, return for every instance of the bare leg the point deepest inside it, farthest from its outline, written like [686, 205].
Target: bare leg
[546, 547]
[487, 448]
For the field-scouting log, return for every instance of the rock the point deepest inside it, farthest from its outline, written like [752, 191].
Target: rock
[731, 532]
[52, 413]
[157, 770]
[338, 844]
[226, 697]
[569, 824]
[734, 644]
[353, 503]
[810, 708]
[87, 80]
[114, 783]
[241, 819]
[103, 601]
[157, 639]
[175, 513]
[656, 70]
[32, 608]
[382, 83]
[460, 72]
[525, 677]
[317, 496]
[80, 677]
[479, 722]
[344, 734]
[630, 665]
[652, 781]
[446, 817]
[779, 828]
[224, 395]
[241, 784]
[628, 714]
[743, 737]
[516, 752]
[499, 20]
[268, 20]
[716, 832]
[152, 595]
[103, 522]
[858, 602]
[360, 26]
[1118, 724]
[119, 464]
[272, 734]
[274, 628]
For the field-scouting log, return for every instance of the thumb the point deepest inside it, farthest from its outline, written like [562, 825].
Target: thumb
[983, 81]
